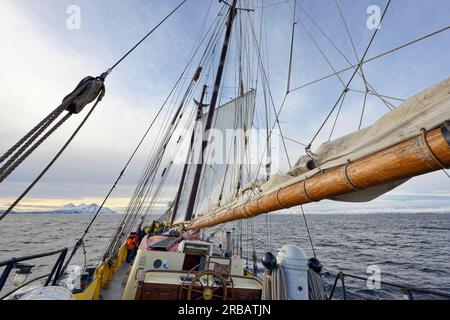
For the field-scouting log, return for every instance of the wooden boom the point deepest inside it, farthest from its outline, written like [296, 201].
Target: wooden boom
[416, 156]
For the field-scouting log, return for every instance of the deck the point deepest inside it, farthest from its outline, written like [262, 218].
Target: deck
[117, 285]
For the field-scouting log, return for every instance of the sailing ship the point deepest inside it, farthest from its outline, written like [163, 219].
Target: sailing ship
[178, 258]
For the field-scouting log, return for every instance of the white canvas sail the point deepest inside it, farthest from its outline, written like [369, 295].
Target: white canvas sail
[226, 152]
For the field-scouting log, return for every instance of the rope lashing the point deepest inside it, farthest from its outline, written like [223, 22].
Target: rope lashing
[86, 91]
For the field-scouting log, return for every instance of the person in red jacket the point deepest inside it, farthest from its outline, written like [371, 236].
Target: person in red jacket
[136, 244]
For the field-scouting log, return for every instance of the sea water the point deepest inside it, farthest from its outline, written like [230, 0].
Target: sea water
[411, 249]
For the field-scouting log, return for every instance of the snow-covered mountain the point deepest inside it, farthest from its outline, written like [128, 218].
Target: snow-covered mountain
[82, 208]
[73, 209]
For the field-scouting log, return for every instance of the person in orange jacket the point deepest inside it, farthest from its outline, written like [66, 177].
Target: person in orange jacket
[131, 245]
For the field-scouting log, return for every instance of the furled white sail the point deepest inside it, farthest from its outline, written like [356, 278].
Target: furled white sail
[426, 110]
[224, 158]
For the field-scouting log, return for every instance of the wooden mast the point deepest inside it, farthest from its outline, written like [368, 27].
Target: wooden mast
[200, 107]
[214, 98]
[423, 154]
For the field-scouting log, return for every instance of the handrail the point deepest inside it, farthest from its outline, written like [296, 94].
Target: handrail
[404, 289]
[55, 273]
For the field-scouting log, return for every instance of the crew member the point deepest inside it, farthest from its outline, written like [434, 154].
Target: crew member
[141, 234]
[131, 245]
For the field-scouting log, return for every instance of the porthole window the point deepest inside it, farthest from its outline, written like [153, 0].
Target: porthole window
[157, 264]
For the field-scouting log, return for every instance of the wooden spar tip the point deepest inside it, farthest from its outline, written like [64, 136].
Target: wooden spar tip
[445, 129]
[425, 153]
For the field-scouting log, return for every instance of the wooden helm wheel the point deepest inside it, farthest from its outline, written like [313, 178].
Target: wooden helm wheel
[215, 288]
[215, 280]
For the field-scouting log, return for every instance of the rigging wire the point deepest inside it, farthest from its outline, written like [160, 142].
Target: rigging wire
[145, 37]
[309, 233]
[294, 22]
[265, 77]
[378, 95]
[352, 77]
[135, 203]
[80, 242]
[363, 76]
[362, 112]
[361, 73]
[20, 156]
[337, 116]
[374, 58]
[139, 196]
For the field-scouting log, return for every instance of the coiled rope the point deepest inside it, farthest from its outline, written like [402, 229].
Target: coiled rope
[274, 285]
[316, 286]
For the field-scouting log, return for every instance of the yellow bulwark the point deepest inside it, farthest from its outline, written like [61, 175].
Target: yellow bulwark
[102, 276]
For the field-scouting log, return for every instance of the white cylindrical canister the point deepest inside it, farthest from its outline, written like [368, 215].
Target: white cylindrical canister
[294, 262]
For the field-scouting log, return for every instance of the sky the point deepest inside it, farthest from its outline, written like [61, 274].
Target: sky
[42, 60]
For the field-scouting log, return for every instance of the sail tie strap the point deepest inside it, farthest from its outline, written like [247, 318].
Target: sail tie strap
[259, 207]
[245, 210]
[278, 199]
[431, 153]
[423, 132]
[305, 192]
[347, 178]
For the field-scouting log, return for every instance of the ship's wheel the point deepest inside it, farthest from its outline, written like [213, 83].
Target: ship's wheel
[207, 285]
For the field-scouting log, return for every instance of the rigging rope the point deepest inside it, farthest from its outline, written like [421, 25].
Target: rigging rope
[87, 91]
[11, 207]
[292, 48]
[12, 164]
[38, 129]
